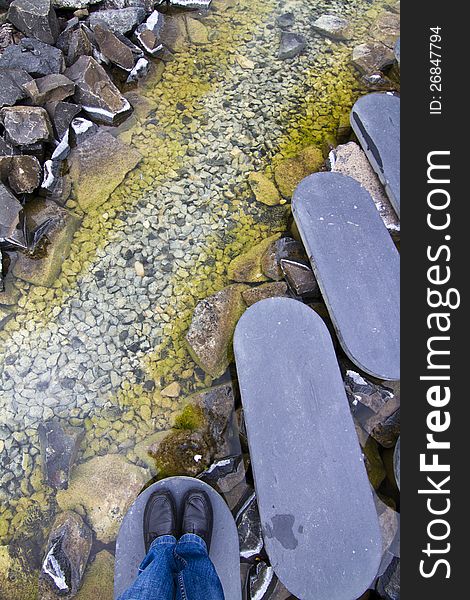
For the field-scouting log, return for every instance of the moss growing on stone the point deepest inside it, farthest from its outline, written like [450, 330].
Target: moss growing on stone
[192, 418]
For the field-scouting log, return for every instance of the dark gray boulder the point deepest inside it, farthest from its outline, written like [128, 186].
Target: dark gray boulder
[35, 18]
[10, 209]
[96, 93]
[300, 279]
[26, 125]
[250, 535]
[50, 88]
[285, 20]
[34, 57]
[61, 115]
[25, 174]
[11, 86]
[59, 448]
[150, 34]
[121, 21]
[75, 41]
[114, 49]
[291, 45]
[388, 585]
[66, 557]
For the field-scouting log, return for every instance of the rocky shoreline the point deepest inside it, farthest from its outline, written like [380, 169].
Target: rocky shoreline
[270, 263]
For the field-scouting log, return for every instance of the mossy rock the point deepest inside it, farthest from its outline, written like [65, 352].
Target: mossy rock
[46, 268]
[192, 418]
[197, 32]
[210, 335]
[98, 581]
[247, 267]
[374, 465]
[264, 189]
[289, 172]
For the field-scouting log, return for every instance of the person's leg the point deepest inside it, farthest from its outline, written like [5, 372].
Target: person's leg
[156, 579]
[197, 578]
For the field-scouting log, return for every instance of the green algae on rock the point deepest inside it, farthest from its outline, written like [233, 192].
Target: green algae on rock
[290, 172]
[98, 582]
[247, 268]
[264, 189]
[98, 165]
[103, 488]
[274, 289]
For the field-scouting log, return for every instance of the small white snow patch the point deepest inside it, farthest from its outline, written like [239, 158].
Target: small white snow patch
[197, 457]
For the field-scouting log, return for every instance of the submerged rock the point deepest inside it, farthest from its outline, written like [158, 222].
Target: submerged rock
[36, 19]
[372, 57]
[210, 335]
[105, 487]
[285, 20]
[350, 159]
[100, 153]
[63, 224]
[386, 29]
[264, 189]
[96, 93]
[51, 88]
[291, 45]
[182, 453]
[68, 549]
[289, 172]
[247, 267]
[11, 86]
[98, 582]
[197, 32]
[25, 174]
[59, 449]
[121, 21]
[26, 125]
[333, 26]
[10, 209]
[276, 289]
[250, 534]
[34, 57]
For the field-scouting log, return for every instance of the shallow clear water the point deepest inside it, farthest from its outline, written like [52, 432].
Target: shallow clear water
[97, 348]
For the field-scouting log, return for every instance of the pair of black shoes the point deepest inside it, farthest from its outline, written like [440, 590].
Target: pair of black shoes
[161, 516]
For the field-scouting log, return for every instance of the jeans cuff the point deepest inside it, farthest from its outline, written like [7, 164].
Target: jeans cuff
[163, 539]
[195, 539]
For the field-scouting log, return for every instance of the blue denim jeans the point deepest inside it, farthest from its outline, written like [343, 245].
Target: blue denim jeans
[176, 570]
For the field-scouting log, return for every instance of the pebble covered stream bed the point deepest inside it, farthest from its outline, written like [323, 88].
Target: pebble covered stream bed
[103, 348]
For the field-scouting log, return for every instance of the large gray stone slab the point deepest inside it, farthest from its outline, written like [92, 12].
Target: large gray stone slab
[375, 119]
[318, 516]
[357, 267]
[224, 551]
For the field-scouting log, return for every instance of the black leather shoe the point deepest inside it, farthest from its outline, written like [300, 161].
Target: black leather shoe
[197, 515]
[159, 517]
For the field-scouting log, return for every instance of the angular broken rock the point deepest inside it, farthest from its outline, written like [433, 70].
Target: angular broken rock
[386, 29]
[141, 70]
[34, 57]
[62, 226]
[35, 18]
[112, 48]
[97, 94]
[372, 57]
[291, 45]
[59, 448]
[105, 487]
[26, 125]
[120, 21]
[300, 279]
[66, 557]
[74, 4]
[225, 474]
[190, 4]
[149, 33]
[209, 338]
[75, 42]
[61, 115]
[264, 189]
[388, 585]
[349, 159]
[51, 88]
[98, 154]
[333, 26]
[25, 174]
[10, 209]
[250, 534]
[11, 86]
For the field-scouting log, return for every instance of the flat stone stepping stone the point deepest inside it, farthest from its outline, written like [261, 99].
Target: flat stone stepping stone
[318, 516]
[357, 267]
[224, 551]
[375, 119]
